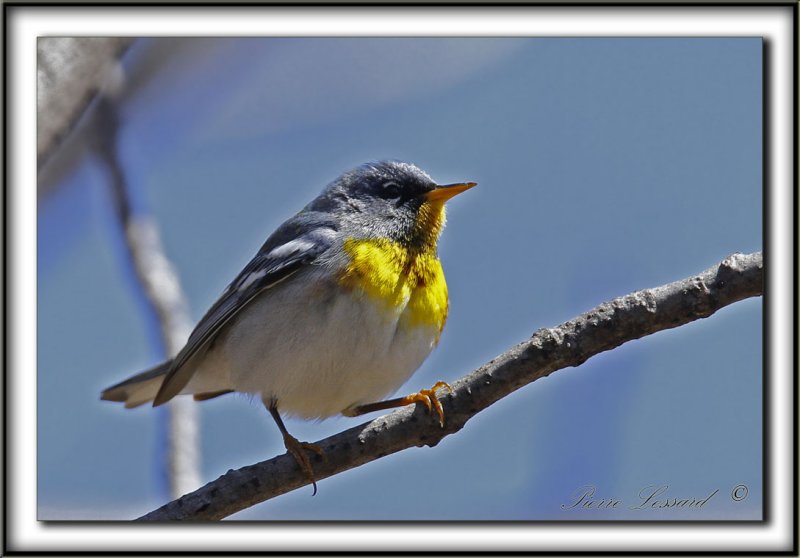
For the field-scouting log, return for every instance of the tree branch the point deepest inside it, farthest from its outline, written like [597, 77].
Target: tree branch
[549, 349]
[161, 286]
[70, 71]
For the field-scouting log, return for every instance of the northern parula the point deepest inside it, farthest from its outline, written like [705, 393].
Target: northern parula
[339, 307]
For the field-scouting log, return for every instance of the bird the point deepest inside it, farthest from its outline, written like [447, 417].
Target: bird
[337, 309]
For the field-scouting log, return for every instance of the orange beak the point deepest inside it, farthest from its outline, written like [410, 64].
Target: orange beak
[447, 191]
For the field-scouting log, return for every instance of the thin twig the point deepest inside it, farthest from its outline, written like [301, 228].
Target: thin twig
[549, 349]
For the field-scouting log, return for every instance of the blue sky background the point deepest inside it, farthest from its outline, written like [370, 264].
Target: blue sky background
[604, 166]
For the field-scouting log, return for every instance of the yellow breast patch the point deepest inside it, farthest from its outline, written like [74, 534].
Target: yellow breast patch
[411, 282]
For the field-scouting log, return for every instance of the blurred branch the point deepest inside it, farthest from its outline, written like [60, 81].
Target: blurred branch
[549, 349]
[77, 77]
[162, 290]
[70, 72]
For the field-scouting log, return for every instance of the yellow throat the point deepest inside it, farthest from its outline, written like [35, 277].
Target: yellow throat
[403, 279]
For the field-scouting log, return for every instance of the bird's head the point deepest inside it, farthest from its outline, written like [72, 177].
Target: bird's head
[393, 200]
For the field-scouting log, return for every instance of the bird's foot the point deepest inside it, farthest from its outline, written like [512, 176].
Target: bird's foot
[427, 397]
[297, 449]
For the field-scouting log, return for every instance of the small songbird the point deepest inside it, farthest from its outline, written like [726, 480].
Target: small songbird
[339, 307]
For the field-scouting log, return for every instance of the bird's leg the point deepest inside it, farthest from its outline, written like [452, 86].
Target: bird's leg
[427, 397]
[294, 446]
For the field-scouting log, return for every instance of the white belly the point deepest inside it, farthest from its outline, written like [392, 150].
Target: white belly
[317, 354]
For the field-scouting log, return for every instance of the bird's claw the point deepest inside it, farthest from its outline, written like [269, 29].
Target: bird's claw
[429, 398]
[297, 449]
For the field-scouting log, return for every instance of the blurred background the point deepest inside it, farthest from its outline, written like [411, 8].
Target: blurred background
[604, 165]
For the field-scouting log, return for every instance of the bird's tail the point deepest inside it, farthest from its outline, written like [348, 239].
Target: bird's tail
[139, 389]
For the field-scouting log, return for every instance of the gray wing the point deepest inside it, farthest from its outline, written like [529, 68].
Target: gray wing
[296, 244]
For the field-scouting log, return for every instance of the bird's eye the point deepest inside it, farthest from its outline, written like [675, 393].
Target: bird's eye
[391, 191]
